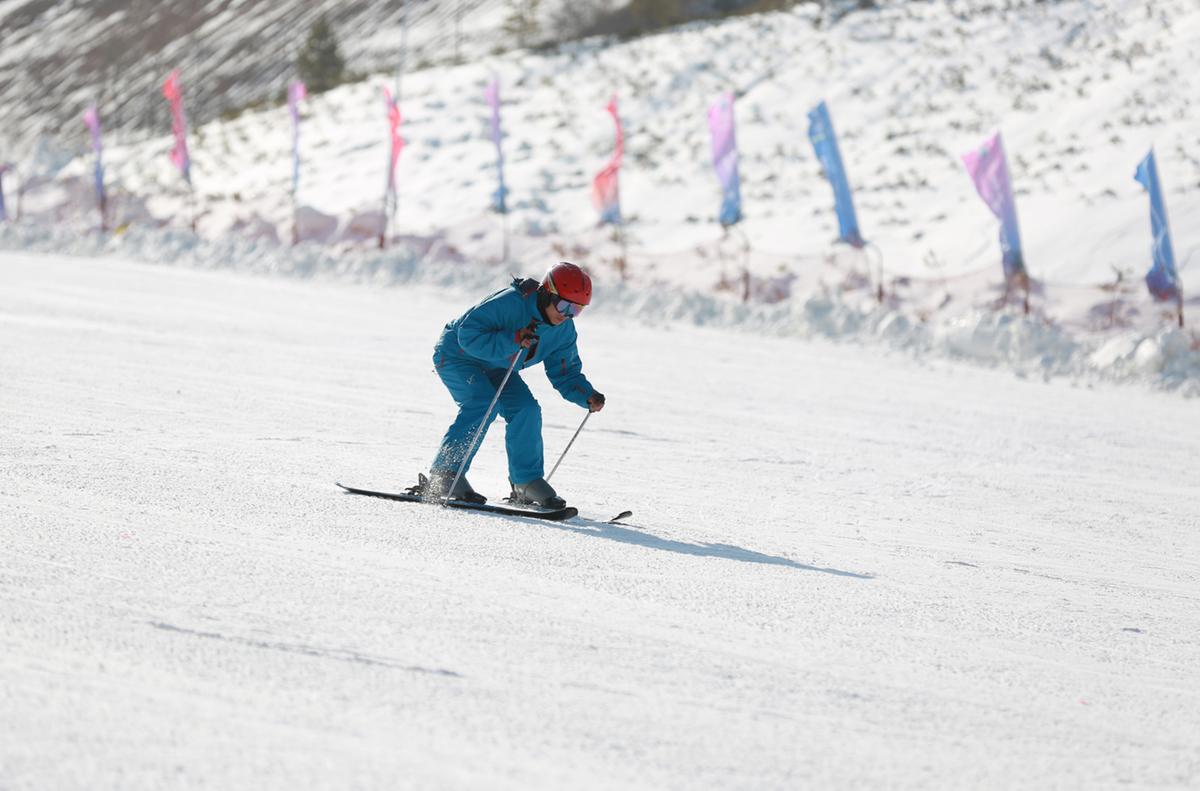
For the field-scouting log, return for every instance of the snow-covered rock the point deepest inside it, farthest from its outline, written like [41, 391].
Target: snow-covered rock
[255, 227]
[364, 225]
[314, 226]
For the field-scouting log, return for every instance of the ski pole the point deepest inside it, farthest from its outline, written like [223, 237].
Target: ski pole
[483, 423]
[569, 444]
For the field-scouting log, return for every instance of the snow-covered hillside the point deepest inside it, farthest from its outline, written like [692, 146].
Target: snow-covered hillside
[843, 570]
[1080, 90]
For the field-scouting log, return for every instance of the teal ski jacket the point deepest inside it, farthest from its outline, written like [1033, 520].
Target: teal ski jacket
[487, 335]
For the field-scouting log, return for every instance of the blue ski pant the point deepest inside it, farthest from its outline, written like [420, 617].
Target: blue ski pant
[473, 387]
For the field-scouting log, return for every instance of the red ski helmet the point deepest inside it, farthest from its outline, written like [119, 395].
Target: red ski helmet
[569, 282]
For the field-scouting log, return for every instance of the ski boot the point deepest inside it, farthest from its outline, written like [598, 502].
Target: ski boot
[437, 486]
[536, 492]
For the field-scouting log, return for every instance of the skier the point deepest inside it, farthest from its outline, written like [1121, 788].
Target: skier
[472, 357]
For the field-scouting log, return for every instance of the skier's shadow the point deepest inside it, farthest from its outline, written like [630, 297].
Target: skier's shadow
[626, 535]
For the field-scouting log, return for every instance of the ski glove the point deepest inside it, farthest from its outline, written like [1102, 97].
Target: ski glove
[595, 402]
[525, 337]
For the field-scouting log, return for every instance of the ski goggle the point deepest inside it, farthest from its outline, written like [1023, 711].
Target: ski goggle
[568, 308]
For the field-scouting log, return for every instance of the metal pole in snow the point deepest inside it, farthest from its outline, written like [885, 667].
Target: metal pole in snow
[504, 225]
[569, 444]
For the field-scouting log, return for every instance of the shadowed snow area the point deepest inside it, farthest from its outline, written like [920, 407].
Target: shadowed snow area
[844, 568]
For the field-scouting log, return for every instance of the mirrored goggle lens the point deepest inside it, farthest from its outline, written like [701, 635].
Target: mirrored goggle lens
[568, 308]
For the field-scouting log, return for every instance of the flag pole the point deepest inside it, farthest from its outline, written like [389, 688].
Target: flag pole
[624, 248]
[192, 202]
[103, 211]
[504, 225]
[391, 197]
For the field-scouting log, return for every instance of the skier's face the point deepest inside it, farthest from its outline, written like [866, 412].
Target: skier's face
[556, 317]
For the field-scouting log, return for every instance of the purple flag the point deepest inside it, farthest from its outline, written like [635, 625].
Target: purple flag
[725, 158]
[988, 168]
[296, 94]
[91, 117]
[492, 95]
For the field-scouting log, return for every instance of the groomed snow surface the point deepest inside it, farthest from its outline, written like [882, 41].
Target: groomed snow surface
[846, 568]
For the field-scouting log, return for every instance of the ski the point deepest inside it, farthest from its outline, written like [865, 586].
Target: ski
[554, 514]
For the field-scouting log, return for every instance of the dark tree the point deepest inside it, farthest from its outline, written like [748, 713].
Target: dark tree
[649, 15]
[320, 64]
[522, 21]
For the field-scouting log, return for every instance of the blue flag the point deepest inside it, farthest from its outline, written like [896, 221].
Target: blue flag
[824, 141]
[1162, 279]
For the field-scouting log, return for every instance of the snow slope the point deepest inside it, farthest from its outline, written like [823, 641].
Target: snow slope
[844, 569]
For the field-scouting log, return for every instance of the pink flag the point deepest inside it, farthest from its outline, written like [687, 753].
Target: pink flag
[491, 95]
[296, 94]
[606, 193]
[91, 118]
[394, 119]
[179, 154]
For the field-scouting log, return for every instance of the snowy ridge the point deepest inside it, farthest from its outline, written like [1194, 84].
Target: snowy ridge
[1032, 346]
